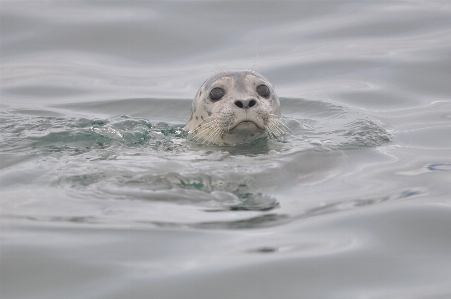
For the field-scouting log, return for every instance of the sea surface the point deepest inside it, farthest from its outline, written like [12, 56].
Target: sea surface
[104, 196]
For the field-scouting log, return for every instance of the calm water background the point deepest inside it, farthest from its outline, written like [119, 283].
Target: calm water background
[102, 196]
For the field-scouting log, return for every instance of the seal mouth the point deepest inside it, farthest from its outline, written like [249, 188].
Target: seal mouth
[246, 125]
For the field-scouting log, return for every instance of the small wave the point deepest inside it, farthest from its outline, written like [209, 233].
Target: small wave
[133, 158]
[358, 203]
[316, 123]
[212, 192]
[59, 134]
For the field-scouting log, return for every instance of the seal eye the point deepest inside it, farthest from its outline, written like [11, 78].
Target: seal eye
[263, 91]
[216, 94]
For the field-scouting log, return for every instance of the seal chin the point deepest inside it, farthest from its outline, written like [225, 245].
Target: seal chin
[246, 131]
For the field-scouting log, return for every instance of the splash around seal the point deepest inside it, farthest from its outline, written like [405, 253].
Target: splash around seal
[234, 107]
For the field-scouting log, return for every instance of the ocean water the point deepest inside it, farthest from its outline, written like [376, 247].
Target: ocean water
[103, 195]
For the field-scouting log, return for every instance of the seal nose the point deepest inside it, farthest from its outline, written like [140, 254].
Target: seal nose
[245, 104]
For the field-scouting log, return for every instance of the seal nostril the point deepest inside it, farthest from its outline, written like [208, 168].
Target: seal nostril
[239, 104]
[252, 103]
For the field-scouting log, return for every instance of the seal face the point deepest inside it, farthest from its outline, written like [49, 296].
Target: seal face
[235, 107]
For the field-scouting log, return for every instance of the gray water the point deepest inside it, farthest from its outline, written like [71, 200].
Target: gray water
[103, 196]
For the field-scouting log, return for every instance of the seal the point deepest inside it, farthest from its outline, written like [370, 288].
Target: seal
[234, 107]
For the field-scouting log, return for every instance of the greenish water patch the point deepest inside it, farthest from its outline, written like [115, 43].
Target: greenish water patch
[76, 136]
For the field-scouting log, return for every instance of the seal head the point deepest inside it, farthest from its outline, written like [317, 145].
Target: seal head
[235, 107]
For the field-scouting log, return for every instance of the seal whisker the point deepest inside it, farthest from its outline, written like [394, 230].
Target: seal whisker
[274, 128]
[205, 131]
[206, 122]
[216, 134]
[281, 129]
[270, 126]
[218, 66]
[255, 62]
[282, 122]
[205, 127]
[212, 133]
[281, 125]
[272, 132]
[210, 137]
